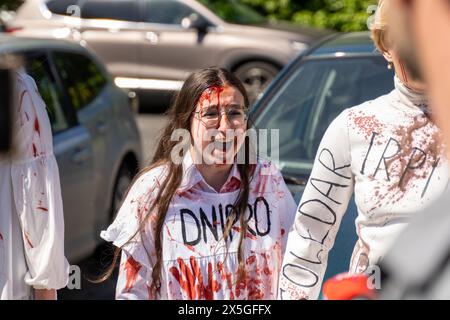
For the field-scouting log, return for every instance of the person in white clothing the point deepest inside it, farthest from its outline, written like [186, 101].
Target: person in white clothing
[209, 226]
[390, 154]
[32, 261]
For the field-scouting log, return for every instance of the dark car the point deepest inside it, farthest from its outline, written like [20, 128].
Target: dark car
[96, 141]
[341, 72]
[153, 45]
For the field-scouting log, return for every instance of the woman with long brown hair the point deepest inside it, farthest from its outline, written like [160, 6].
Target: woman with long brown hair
[202, 222]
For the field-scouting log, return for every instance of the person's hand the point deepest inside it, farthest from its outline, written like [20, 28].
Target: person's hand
[44, 294]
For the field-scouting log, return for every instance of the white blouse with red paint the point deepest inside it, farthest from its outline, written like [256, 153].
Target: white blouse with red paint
[31, 211]
[195, 263]
[389, 154]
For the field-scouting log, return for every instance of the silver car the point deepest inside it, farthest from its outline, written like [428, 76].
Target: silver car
[154, 44]
[96, 140]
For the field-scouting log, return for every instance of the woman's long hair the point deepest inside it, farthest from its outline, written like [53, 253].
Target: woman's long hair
[179, 116]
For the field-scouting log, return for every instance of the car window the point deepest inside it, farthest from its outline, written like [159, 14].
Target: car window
[61, 6]
[81, 78]
[126, 10]
[38, 68]
[166, 11]
[312, 96]
[234, 11]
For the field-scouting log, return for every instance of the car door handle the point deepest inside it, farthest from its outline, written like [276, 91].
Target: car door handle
[101, 126]
[152, 37]
[80, 155]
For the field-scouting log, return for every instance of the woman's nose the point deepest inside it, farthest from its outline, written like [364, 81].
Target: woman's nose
[223, 122]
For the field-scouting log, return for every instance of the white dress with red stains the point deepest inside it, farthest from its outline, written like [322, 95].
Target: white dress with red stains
[195, 265]
[31, 212]
[388, 153]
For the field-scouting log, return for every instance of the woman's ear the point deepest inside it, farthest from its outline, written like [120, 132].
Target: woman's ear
[388, 56]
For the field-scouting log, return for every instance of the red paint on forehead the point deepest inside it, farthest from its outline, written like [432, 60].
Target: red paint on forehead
[209, 93]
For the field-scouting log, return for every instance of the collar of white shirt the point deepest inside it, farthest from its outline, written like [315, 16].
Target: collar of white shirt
[192, 176]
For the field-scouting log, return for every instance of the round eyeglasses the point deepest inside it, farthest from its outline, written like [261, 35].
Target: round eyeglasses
[210, 116]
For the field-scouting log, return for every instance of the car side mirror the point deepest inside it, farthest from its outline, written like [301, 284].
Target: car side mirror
[195, 21]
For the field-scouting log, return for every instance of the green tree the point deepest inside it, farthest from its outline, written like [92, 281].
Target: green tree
[10, 4]
[340, 15]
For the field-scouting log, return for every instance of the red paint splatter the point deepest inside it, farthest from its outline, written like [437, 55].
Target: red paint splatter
[282, 232]
[42, 208]
[37, 127]
[190, 247]
[1, 236]
[21, 99]
[34, 150]
[27, 238]
[251, 260]
[247, 234]
[232, 185]
[191, 280]
[366, 125]
[131, 268]
[170, 235]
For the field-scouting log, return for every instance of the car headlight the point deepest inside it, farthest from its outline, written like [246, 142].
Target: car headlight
[298, 46]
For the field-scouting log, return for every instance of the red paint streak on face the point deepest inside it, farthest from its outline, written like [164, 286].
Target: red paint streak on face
[37, 127]
[27, 238]
[34, 151]
[205, 99]
[42, 208]
[131, 268]
[282, 232]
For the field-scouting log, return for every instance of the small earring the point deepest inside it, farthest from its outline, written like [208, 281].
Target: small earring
[389, 66]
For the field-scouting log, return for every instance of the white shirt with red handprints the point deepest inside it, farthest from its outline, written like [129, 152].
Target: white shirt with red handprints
[388, 153]
[195, 263]
[31, 211]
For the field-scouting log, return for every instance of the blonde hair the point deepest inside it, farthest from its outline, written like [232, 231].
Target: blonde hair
[379, 27]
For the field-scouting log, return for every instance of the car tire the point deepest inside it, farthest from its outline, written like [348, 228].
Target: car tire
[256, 76]
[121, 186]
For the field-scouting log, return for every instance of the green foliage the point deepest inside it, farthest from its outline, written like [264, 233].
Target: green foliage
[10, 4]
[340, 15]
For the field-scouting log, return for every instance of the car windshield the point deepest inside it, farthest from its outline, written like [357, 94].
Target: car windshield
[233, 11]
[311, 96]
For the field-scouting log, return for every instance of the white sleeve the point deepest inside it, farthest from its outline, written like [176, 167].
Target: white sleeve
[138, 252]
[319, 215]
[37, 191]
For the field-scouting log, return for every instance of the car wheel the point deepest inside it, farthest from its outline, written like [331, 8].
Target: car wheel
[123, 181]
[256, 76]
